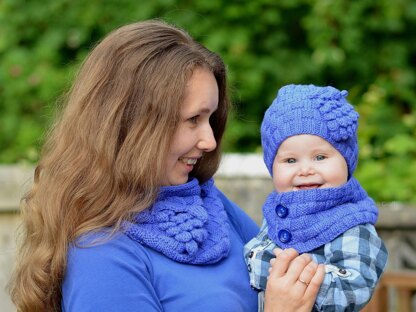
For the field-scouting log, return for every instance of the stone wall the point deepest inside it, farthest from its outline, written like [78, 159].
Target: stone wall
[13, 181]
[243, 178]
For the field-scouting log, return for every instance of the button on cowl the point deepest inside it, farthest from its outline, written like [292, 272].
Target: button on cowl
[284, 236]
[282, 211]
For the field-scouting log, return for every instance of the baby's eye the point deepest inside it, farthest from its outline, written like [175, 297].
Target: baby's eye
[291, 160]
[320, 157]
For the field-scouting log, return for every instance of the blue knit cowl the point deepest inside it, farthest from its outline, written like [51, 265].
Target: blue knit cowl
[308, 219]
[187, 223]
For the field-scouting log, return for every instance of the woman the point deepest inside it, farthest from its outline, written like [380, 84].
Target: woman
[123, 214]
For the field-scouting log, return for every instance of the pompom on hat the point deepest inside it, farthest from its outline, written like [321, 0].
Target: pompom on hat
[308, 109]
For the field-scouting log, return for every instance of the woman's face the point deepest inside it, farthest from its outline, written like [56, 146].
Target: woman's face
[194, 135]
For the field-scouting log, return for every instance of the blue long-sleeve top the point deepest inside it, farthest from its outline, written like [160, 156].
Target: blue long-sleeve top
[123, 275]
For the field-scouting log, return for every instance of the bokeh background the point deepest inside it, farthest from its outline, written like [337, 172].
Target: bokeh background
[366, 47]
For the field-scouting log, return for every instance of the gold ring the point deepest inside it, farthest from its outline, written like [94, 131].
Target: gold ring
[302, 281]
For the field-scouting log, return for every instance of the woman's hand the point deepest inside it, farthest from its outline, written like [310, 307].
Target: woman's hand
[293, 282]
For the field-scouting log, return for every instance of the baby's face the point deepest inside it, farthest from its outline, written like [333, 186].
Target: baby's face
[306, 162]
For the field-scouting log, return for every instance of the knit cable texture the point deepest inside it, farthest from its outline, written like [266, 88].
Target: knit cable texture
[316, 217]
[188, 224]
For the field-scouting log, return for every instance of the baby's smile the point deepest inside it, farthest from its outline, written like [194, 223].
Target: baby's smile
[308, 186]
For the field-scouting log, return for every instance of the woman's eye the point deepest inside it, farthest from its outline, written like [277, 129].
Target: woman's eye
[193, 120]
[320, 157]
[290, 160]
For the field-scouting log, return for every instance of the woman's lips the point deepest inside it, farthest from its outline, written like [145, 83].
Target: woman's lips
[190, 161]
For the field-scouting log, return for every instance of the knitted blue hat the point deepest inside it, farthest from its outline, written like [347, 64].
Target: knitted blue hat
[308, 109]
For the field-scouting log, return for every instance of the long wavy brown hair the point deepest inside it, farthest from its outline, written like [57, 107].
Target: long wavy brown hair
[104, 158]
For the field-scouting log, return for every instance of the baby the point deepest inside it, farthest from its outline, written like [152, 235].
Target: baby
[309, 139]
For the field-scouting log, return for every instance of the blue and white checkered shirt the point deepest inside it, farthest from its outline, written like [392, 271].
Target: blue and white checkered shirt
[354, 262]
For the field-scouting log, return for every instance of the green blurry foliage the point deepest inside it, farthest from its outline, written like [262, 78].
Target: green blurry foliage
[364, 46]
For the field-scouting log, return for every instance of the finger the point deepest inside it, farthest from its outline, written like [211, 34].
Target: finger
[272, 261]
[282, 262]
[315, 283]
[301, 272]
[308, 273]
[277, 251]
[297, 266]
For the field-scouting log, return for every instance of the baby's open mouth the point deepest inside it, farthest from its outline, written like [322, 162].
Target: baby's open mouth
[308, 186]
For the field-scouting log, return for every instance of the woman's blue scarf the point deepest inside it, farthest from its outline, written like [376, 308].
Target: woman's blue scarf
[308, 219]
[187, 223]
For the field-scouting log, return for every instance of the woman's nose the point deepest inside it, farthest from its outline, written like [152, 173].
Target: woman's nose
[207, 142]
